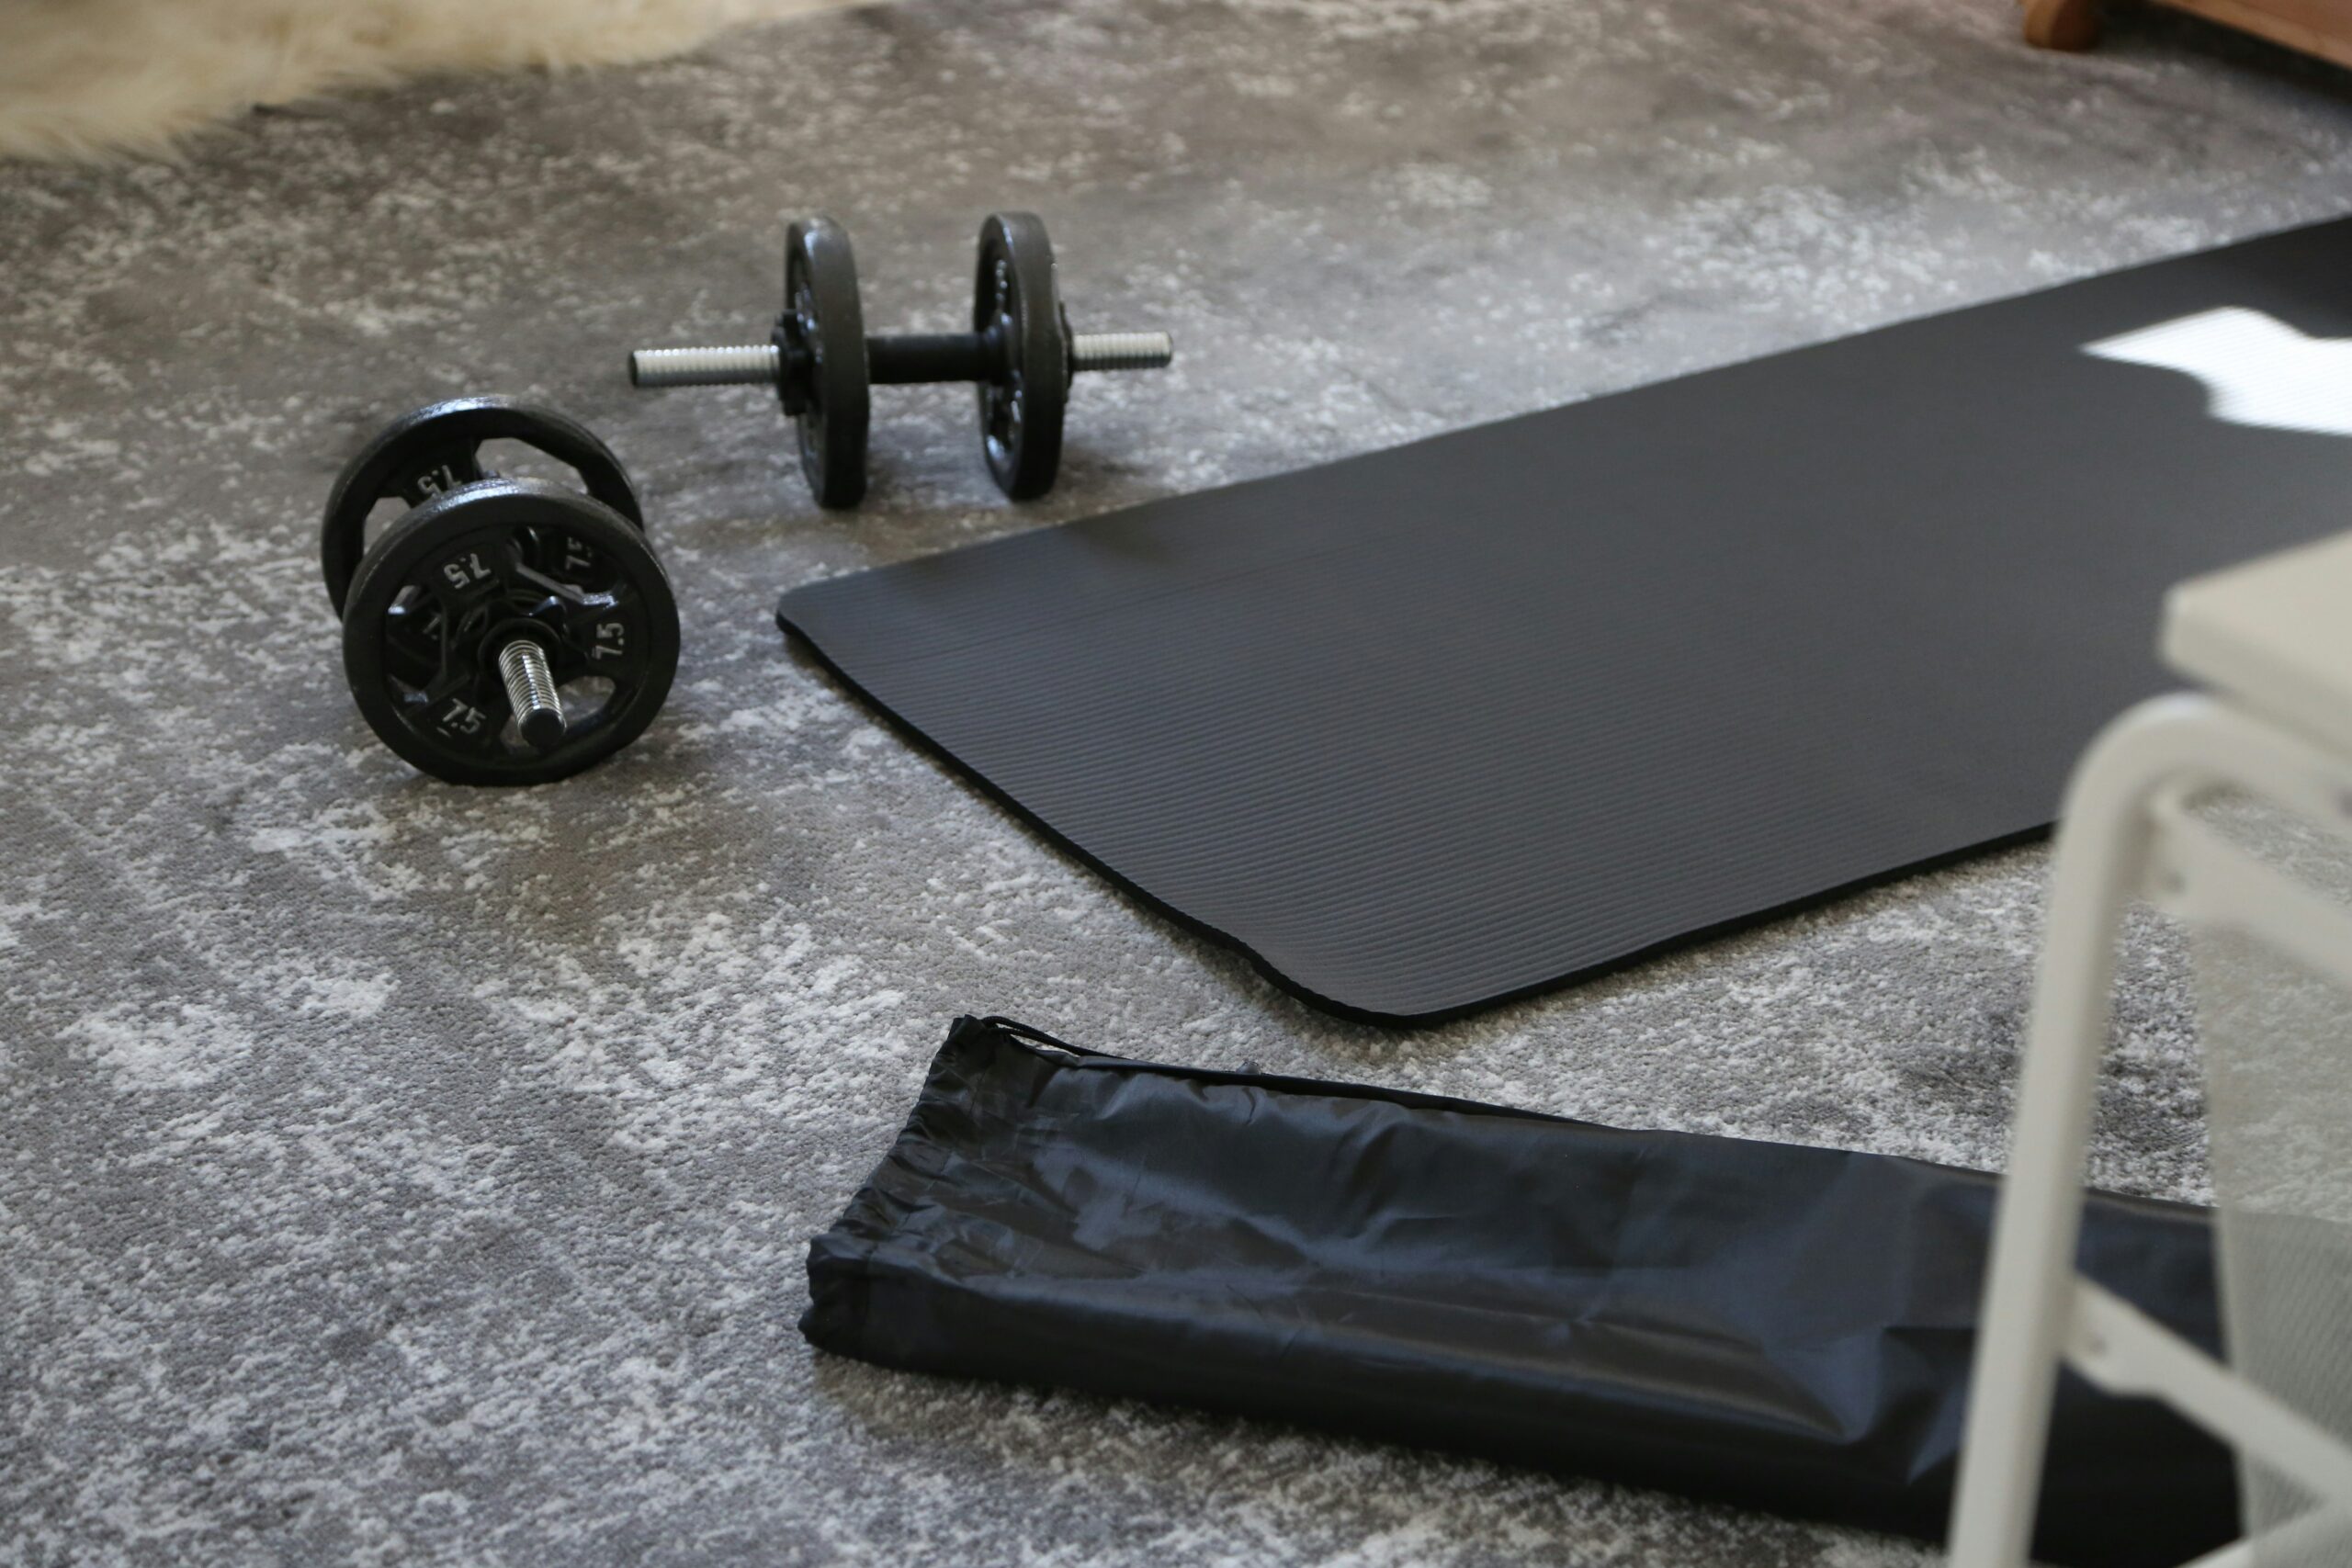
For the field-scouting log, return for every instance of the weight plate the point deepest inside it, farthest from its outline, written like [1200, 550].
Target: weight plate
[433, 450]
[823, 329]
[1015, 300]
[467, 573]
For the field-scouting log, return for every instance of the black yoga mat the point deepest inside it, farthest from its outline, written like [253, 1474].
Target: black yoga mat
[1788, 1328]
[1448, 723]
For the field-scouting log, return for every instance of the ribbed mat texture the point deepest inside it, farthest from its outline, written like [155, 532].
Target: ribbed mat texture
[1450, 723]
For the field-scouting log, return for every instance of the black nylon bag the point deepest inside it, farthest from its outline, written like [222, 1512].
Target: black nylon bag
[1784, 1327]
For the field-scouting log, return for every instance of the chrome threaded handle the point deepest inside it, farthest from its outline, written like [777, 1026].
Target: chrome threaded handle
[1121, 351]
[745, 365]
[530, 691]
[759, 365]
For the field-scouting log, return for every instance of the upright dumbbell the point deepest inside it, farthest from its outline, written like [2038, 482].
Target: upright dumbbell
[501, 631]
[1021, 353]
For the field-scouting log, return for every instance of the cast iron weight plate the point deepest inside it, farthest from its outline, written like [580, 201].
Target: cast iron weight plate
[1017, 306]
[822, 339]
[435, 449]
[469, 573]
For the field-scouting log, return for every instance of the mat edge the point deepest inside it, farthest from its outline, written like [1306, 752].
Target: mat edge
[924, 745]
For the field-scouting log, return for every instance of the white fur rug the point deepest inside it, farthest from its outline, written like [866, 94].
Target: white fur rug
[82, 79]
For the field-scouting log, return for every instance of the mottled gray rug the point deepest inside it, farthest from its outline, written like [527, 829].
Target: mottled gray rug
[394, 1172]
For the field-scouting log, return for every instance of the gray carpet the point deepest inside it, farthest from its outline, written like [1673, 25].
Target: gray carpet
[393, 1172]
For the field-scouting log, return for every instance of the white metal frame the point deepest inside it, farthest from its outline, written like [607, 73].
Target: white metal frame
[2126, 834]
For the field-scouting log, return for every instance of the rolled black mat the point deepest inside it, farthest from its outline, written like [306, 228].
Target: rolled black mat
[1785, 1327]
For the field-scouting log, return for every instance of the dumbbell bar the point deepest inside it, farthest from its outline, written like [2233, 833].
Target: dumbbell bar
[906, 359]
[1021, 355]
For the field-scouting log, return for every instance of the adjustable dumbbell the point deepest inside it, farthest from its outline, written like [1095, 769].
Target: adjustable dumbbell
[501, 630]
[1021, 353]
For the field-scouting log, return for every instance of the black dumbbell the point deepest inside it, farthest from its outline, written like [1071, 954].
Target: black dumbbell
[501, 631]
[1019, 353]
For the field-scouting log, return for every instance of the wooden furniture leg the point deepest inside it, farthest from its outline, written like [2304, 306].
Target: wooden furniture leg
[2062, 24]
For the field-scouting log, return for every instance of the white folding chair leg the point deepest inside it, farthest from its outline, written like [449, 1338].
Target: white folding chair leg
[2273, 636]
[2101, 848]
[2032, 1297]
[2100, 859]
